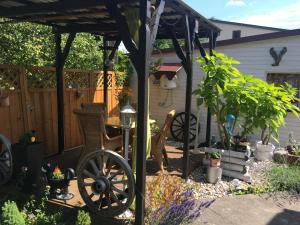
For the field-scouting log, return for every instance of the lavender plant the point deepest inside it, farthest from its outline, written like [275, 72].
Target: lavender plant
[182, 211]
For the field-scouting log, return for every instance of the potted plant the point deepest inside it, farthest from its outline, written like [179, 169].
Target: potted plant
[227, 92]
[254, 103]
[215, 159]
[28, 152]
[274, 104]
[58, 181]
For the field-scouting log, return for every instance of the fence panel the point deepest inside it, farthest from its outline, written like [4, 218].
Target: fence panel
[33, 103]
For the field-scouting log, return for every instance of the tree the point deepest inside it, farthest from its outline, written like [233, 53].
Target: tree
[33, 44]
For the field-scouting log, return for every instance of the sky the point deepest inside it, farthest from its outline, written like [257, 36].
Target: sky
[273, 13]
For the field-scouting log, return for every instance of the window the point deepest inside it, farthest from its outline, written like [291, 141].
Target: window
[281, 78]
[236, 34]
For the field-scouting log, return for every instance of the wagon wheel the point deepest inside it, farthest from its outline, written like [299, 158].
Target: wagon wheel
[177, 127]
[106, 183]
[5, 160]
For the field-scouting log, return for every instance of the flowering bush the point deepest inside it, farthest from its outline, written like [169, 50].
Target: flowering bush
[181, 211]
[171, 201]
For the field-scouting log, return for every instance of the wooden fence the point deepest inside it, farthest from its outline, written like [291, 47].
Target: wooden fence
[33, 105]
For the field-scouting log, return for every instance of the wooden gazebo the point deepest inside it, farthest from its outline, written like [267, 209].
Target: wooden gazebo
[158, 19]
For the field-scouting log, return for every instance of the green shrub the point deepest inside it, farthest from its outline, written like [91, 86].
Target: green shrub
[283, 178]
[11, 214]
[83, 218]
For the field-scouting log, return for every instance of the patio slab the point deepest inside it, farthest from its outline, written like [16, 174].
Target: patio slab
[275, 209]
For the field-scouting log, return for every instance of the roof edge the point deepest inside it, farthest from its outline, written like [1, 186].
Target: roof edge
[260, 37]
[247, 25]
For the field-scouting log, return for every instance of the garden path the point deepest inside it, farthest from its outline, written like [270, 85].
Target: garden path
[267, 209]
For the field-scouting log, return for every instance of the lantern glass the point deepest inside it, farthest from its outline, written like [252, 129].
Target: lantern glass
[127, 115]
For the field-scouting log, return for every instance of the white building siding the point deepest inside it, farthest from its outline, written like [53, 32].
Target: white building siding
[246, 31]
[255, 59]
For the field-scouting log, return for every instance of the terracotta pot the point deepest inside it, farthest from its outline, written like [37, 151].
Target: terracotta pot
[215, 162]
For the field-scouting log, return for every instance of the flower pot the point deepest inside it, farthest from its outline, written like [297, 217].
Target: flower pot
[293, 159]
[215, 162]
[30, 156]
[214, 174]
[264, 152]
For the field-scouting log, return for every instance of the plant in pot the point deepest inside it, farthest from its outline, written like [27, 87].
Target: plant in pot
[227, 92]
[28, 153]
[275, 102]
[215, 159]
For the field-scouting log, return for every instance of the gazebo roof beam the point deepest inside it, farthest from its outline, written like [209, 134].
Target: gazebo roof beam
[88, 28]
[52, 7]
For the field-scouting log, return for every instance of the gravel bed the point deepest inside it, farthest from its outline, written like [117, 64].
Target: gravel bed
[205, 190]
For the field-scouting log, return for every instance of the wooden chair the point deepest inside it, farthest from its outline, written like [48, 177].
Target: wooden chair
[95, 107]
[93, 131]
[158, 141]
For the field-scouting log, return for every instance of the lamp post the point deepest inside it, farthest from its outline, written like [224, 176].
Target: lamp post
[127, 114]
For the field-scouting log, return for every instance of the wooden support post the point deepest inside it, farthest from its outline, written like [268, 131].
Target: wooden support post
[140, 57]
[25, 100]
[142, 116]
[188, 95]
[60, 59]
[105, 73]
[208, 117]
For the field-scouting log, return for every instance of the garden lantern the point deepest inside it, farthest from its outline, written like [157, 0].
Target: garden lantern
[127, 114]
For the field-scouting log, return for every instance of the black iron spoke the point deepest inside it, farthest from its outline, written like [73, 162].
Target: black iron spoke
[119, 191]
[115, 198]
[89, 174]
[100, 200]
[119, 182]
[94, 166]
[108, 200]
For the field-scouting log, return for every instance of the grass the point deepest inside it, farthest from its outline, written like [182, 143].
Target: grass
[284, 178]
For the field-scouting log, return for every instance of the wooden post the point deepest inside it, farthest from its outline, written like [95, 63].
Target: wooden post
[105, 73]
[142, 116]
[139, 55]
[25, 100]
[60, 59]
[208, 117]
[188, 96]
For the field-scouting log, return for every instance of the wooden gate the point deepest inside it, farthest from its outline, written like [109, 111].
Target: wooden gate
[33, 105]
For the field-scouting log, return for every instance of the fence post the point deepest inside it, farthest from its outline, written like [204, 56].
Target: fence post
[90, 98]
[25, 99]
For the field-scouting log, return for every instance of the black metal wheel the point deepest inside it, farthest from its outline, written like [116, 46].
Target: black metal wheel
[6, 167]
[106, 183]
[177, 127]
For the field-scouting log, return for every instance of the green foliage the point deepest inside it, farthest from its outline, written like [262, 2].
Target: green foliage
[162, 190]
[215, 155]
[255, 103]
[83, 218]
[256, 189]
[36, 212]
[11, 214]
[123, 69]
[284, 178]
[32, 44]
[155, 129]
